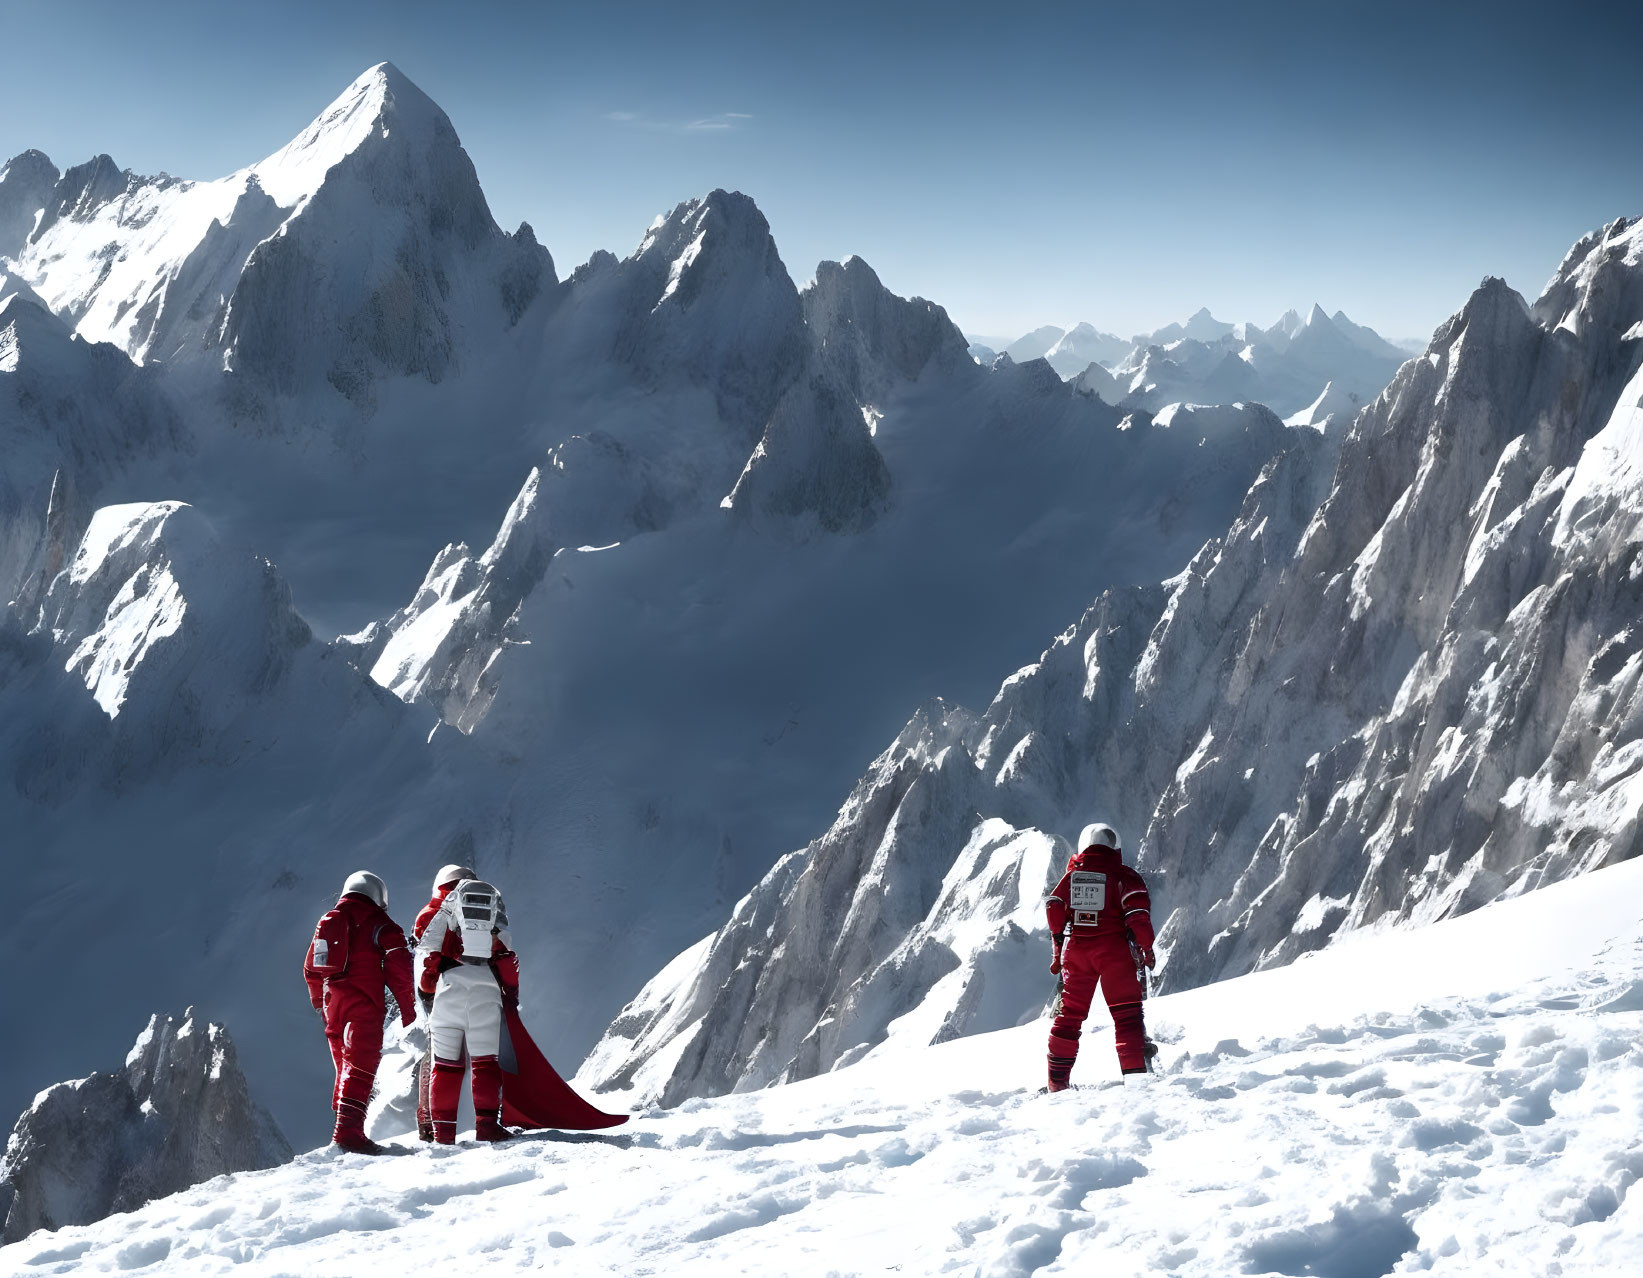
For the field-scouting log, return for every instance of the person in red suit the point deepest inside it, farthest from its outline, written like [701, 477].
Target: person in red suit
[1102, 908]
[357, 950]
[470, 973]
[447, 878]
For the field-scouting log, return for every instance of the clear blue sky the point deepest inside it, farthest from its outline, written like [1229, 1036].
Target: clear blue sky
[1020, 164]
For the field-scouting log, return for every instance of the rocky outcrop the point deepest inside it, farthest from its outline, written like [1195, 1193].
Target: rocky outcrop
[867, 340]
[706, 300]
[74, 418]
[179, 1112]
[26, 183]
[816, 462]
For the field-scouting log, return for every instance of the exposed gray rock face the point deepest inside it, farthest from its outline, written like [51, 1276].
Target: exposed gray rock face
[867, 339]
[1407, 681]
[85, 188]
[178, 1113]
[25, 186]
[708, 300]
[74, 416]
[816, 458]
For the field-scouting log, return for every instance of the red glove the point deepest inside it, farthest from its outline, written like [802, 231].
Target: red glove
[1149, 959]
[1055, 963]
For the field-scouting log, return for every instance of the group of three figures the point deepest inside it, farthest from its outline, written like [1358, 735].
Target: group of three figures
[465, 976]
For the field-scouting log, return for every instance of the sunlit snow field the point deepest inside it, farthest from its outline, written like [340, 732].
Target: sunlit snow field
[1462, 1099]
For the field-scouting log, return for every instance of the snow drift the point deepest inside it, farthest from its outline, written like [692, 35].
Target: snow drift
[1448, 1100]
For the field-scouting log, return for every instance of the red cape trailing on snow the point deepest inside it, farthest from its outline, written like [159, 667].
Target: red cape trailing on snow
[533, 1094]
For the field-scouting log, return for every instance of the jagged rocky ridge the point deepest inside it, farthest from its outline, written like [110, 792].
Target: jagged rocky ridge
[179, 1112]
[1405, 682]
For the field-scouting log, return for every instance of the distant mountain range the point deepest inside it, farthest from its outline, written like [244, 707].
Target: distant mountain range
[1205, 360]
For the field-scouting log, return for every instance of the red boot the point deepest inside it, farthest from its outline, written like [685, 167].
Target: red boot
[489, 1127]
[350, 1130]
[443, 1094]
[488, 1100]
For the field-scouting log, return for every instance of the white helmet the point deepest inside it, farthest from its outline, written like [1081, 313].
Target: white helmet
[1099, 835]
[367, 884]
[453, 874]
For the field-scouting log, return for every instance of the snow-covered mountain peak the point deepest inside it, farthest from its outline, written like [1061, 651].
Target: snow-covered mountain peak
[382, 103]
[250, 272]
[700, 238]
[1316, 316]
[143, 571]
[869, 336]
[1597, 281]
[25, 186]
[1333, 403]
[24, 320]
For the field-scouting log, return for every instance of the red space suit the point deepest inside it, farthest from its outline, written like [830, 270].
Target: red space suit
[1103, 907]
[470, 971]
[356, 951]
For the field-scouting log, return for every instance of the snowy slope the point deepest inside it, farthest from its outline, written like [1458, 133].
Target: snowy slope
[1332, 407]
[1083, 345]
[1453, 1100]
[1409, 700]
[1034, 345]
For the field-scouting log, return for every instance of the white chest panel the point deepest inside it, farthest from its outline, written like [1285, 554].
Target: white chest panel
[477, 912]
[1088, 890]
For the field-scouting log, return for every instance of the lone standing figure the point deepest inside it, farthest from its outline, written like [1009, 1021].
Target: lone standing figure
[356, 951]
[1102, 906]
[470, 971]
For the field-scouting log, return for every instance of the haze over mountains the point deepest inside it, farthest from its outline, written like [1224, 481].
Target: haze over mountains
[637, 568]
[1204, 360]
